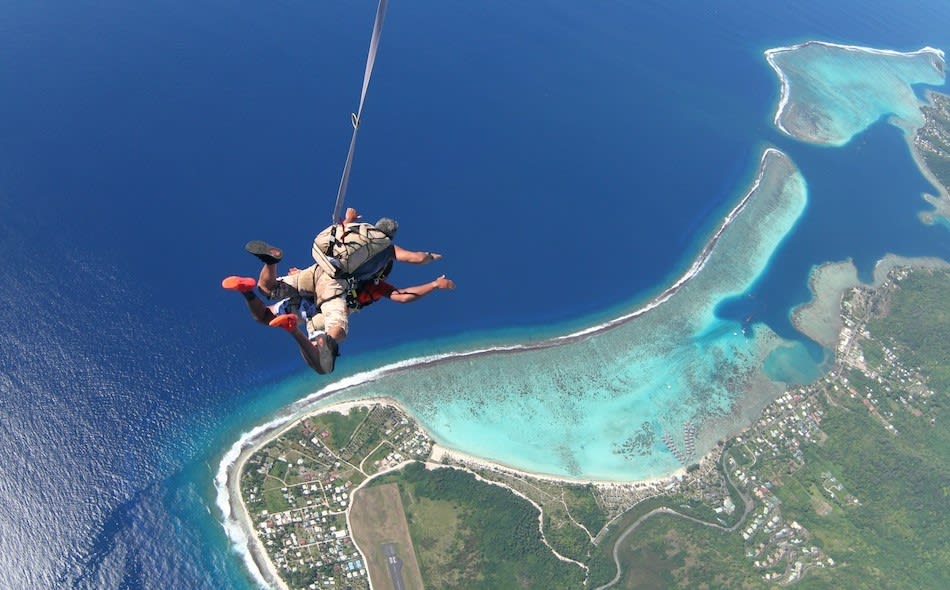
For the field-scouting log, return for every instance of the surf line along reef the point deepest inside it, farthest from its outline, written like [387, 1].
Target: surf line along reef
[670, 361]
[684, 347]
[327, 490]
[754, 218]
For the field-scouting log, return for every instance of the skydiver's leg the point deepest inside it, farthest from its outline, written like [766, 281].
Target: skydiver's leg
[309, 352]
[331, 298]
[267, 279]
[260, 312]
[336, 318]
[270, 256]
[317, 352]
[245, 286]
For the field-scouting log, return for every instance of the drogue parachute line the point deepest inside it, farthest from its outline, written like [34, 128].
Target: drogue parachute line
[226, 478]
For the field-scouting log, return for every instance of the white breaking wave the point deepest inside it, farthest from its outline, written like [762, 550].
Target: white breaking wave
[786, 86]
[231, 523]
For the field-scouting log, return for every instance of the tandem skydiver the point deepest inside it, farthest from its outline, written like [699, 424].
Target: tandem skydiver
[324, 300]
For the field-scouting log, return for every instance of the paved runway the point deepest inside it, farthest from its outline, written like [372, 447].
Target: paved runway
[395, 566]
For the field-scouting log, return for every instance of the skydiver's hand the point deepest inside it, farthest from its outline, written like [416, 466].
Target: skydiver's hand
[431, 257]
[443, 283]
[351, 215]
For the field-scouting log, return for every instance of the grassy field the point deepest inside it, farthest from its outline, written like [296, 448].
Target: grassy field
[668, 552]
[377, 518]
[887, 524]
[437, 536]
[474, 535]
[340, 426]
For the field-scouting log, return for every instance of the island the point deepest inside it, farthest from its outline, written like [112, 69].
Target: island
[834, 481]
[840, 482]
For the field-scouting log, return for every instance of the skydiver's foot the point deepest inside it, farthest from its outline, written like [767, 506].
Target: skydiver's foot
[287, 321]
[265, 252]
[327, 351]
[242, 284]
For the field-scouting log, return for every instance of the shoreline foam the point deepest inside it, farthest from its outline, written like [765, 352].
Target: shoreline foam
[227, 480]
[770, 56]
[247, 542]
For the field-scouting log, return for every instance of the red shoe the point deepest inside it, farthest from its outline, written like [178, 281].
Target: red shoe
[287, 321]
[242, 284]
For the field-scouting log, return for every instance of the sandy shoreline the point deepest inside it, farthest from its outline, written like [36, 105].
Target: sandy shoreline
[785, 91]
[442, 454]
[257, 558]
[236, 519]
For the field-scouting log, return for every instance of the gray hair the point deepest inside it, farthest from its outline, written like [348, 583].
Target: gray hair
[388, 226]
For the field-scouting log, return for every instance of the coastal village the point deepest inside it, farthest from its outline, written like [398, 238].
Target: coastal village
[299, 487]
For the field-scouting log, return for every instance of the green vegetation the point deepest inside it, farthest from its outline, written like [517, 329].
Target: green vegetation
[564, 536]
[895, 536]
[669, 552]
[869, 491]
[933, 139]
[298, 488]
[873, 352]
[434, 526]
[584, 508]
[918, 325]
[274, 501]
[568, 510]
[279, 470]
[602, 567]
[341, 427]
[369, 464]
[469, 534]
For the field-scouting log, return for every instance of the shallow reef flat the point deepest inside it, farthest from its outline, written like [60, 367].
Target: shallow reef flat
[820, 318]
[832, 92]
[630, 399]
[931, 149]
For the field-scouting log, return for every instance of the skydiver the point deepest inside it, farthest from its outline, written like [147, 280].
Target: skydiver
[324, 303]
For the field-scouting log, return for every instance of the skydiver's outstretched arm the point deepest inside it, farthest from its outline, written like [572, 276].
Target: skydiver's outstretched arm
[418, 292]
[403, 255]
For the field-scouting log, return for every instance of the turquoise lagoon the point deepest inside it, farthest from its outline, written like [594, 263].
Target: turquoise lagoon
[606, 403]
[831, 92]
[614, 401]
[596, 404]
[617, 401]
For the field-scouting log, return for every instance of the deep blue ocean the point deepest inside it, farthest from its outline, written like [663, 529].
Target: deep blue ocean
[567, 158]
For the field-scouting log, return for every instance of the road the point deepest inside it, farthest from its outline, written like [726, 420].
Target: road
[749, 505]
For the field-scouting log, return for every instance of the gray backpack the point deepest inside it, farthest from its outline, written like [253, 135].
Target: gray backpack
[357, 251]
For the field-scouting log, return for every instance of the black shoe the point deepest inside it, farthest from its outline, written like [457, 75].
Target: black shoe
[327, 351]
[265, 252]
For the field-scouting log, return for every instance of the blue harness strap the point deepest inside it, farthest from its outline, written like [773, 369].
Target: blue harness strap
[356, 117]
